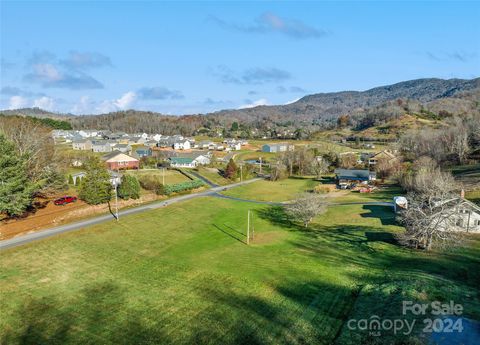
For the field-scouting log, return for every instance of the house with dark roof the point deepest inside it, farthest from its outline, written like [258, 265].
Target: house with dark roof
[117, 160]
[349, 176]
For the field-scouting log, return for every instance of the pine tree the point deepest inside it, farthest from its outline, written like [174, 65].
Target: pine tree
[129, 188]
[70, 179]
[96, 187]
[231, 170]
[16, 190]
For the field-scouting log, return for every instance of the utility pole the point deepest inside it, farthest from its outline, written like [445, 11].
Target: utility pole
[116, 197]
[260, 165]
[248, 227]
[163, 176]
[241, 172]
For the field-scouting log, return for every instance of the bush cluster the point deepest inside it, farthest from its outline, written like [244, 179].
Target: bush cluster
[183, 186]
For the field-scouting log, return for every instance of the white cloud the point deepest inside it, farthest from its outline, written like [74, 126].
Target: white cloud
[121, 103]
[83, 106]
[17, 102]
[257, 103]
[44, 102]
[126, 100]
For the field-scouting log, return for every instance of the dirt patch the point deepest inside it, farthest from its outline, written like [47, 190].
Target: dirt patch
[269, 237]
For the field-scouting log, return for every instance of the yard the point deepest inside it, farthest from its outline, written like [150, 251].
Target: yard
[264, 190]
[171, 176]
[184, 275]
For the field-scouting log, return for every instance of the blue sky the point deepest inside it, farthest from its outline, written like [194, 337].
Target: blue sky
[191, 57]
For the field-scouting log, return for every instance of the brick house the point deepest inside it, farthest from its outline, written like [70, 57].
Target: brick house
[120, 161]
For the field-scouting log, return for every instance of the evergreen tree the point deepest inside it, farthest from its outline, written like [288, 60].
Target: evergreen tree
[129, 188]
[231, 170]
[70, 179]
[16, 190]
[96, 187]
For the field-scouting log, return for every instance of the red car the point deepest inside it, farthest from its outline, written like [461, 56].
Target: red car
[65, 200]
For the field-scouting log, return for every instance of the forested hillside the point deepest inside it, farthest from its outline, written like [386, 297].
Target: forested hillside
[431, 99]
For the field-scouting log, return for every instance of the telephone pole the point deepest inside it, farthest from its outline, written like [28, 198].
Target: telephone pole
[163, 176]
[116, 196]
[248, 227]
[260, 165]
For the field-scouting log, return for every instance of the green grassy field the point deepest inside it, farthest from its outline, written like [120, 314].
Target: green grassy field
[171, 176]
[213, 176]
[264, 190]
[184, 275]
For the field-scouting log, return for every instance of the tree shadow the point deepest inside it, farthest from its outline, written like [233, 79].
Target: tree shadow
[384, 213]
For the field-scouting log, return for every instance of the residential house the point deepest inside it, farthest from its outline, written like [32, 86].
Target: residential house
[382, 155]
[82, 144]
[182, 162]
[156, 137]
[117, 160]
[280, 147]
[346, 177]
[137, 140]
[182, 144]
[124, 148]
[101, 146]
[150, 143]
[205, 144]
[142, 151]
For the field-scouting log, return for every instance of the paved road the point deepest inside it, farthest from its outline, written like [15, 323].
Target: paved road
[17, 241]
[208, 182]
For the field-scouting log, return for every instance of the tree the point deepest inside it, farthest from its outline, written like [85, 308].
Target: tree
[231, 169]
[306, 207]
[234, 127]
[431, 218]
[70, 179]
[278, 171]
[320, 166]
[129, 188]
[96, 187]
[431, 222]
[348, 160]
[16, 190]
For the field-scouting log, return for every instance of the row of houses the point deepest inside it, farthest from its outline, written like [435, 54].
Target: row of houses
[106, 141]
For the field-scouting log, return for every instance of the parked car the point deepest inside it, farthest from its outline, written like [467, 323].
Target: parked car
[67, 199]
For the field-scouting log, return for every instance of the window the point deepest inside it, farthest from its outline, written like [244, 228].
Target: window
[476, 222]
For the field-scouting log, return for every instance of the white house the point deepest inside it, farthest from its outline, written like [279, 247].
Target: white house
[181, 145]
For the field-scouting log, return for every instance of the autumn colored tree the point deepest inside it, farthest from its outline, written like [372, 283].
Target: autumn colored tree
[231, 170]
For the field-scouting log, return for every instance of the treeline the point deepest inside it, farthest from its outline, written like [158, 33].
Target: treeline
[29, 164]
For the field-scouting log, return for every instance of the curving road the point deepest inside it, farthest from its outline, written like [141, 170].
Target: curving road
[17, 241]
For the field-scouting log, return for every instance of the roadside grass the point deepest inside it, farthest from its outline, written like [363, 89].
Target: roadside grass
[213, 175]
[171, 176]
[184, 274]
[264, 190]
[473, 196]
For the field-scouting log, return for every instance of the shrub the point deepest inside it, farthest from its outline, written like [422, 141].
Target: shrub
[129, 188]
[183, 186]
[319, 189]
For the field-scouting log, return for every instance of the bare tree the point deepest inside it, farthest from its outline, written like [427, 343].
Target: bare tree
[431, 221]
[306, 207]
[278, 171]
[319, 166]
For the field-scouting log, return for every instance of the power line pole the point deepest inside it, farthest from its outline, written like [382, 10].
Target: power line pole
[248, 227]
[163, 176]
[260, 165]
[116, 196]
[241, 172]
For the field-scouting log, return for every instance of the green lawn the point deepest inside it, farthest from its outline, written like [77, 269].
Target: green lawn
[184, 275]
[171, 176]
[213, 175]
[264, 190]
